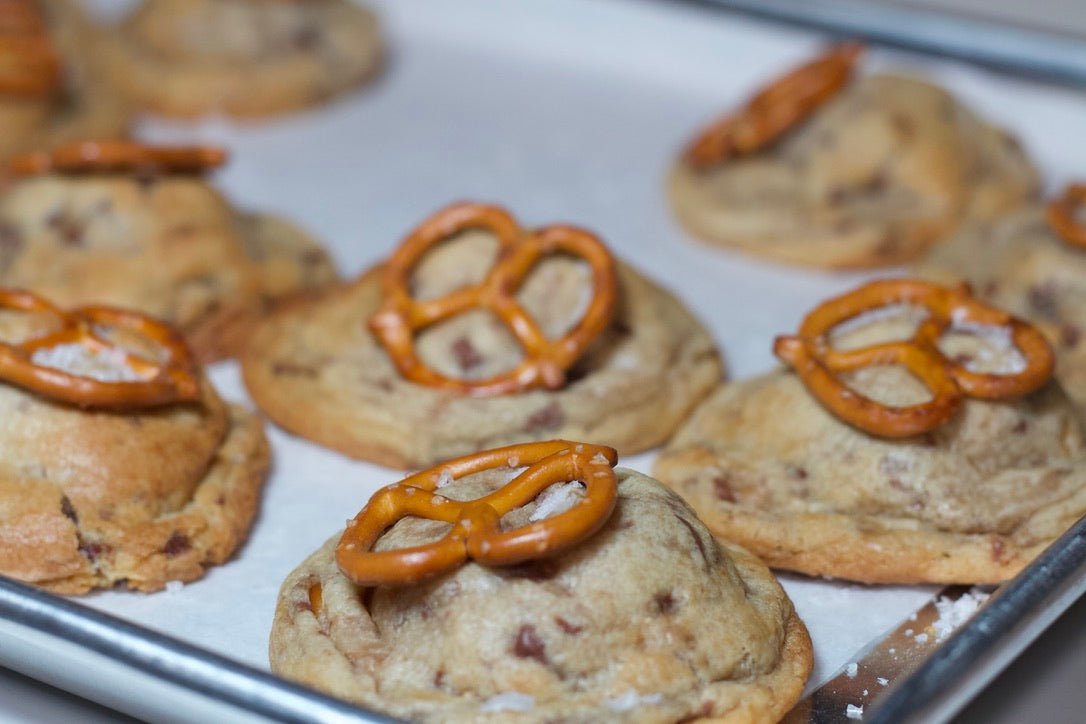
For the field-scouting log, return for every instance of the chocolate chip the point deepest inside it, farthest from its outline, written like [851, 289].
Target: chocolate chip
[1042, 300]
[888, 246]
[177, 544]
[664, 602]
[532, 570]
[903, 126]
[546, 418]
[312, 257]
[1070, 335]
[1021, 426]
[997, 549]
[989, 288]
[92, 551]
[68, 510]
[705, 710]
[306, 38]
[292, 369]
[439, 678]
[68, 230]
[797, 472]
[568, 628]
[11, 243]
[528, 645]
[723, 489]
[697, 540]
[963, 358]
[465, 354]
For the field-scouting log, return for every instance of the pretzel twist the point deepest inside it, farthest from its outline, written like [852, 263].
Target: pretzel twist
[172, 380]
[117, 156]
[1062, 215]
[777, 109]
[545, 361]
[811, 354]
[29, 65]
[476, 532]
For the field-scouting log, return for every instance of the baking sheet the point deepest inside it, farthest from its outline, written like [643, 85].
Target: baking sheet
[563, 111]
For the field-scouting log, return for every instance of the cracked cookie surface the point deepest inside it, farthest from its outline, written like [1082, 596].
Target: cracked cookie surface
[973, 501]
[649, 620]
[871, 179]
[168, 245]
[1018, 263]
[241, 57]
[316, 369]
[90, 499]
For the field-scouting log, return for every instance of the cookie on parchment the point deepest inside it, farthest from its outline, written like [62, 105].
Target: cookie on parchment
[649, 620]
[52, 90]
[241, 57]
[1023, 264]
[138, 226]
[129, 469]
[864, 173]
[318, 368]
[766, 464]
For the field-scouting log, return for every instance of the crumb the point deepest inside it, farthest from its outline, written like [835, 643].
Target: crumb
[854, 712]
[852, 669]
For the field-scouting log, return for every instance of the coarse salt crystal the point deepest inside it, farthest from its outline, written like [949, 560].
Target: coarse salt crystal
[921, 638]
[631, 700]
[509, 701]
[908, 632]
[852, 669]
[513, 462]
[557, 499]
[953, 613]
[854, 712]
[444, 479]
[107, 365]
[881, 681]
[599, 459]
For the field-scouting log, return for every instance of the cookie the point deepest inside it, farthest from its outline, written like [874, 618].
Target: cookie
[973, 500]
[317, 369]
[1020, 264]
[166, 243]
[56, 93]
[872, 177]
[98, 492]
[241, 57]
[649, 620]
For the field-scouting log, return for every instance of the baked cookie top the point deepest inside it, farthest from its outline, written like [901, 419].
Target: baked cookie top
[92, 496]
[649, 620]
[241, 57]
[1021, 264]
[317, 369]
[163, 242]
[51, 89]
[871, 177]
[971, 501]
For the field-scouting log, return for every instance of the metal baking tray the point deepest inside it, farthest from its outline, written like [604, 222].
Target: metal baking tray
[564, 111]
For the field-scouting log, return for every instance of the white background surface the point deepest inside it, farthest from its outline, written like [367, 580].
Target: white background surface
[563, 111]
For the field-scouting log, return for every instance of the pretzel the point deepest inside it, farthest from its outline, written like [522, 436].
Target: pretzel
[117, 156]
[818, 364]
[29, 65]
[173, 380]
[1061, 214]
[476, 532]
[545, 361]
[774, 111]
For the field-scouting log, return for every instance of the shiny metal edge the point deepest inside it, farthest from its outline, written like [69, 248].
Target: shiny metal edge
[976, 653]
[38, 626]
[1002, 46]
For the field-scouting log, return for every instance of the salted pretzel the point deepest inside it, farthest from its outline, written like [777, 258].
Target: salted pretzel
[819, 365]
[29, 65]
[118, 156]
[174, 379]
[1061, 214]
[476, 532]
[775, 110]
[545, 361]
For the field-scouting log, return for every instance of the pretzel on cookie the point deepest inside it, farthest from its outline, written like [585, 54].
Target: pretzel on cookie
[775, 110]
[811, 354]
[1063, 212]
[117, 156]
[476, 532]
[545, 360]
[29, 65]
[150, 382]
